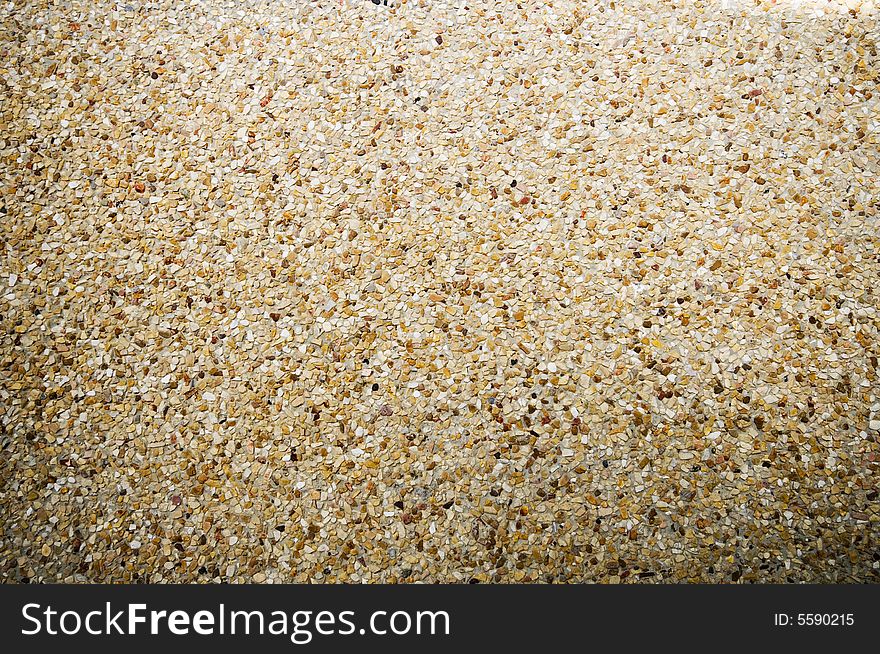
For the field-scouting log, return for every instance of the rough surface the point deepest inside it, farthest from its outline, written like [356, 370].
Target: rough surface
[443, 291]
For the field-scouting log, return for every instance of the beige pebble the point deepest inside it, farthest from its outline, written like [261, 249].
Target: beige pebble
[340, 292]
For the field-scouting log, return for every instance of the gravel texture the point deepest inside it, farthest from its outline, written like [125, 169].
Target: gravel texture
[439, 291]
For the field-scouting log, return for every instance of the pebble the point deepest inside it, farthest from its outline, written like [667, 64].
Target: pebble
[592, 292]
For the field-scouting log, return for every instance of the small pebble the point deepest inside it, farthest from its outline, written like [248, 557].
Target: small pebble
[446, 292]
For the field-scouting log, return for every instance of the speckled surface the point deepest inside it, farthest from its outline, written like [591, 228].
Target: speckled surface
[438, 292]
